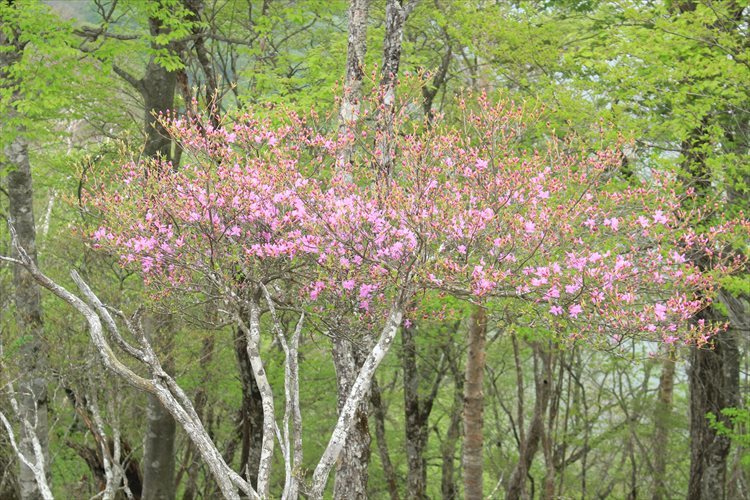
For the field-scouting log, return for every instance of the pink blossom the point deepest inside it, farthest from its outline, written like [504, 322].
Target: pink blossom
[574, 310]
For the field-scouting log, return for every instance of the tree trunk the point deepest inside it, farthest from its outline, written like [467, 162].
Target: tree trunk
[415, 425]
[714, 385]
[385, 457]
[158, 90]
[448, 487]
[355, 60]
[352, 467]
[32, 386]
[395, 17]
[661, 428]
[348, 412]
[158, 442]
[32, 383]
[251, 413]
[535, 433]
[474, 406]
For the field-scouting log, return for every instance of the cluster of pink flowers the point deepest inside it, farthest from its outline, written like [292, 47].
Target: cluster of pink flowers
[465, 211]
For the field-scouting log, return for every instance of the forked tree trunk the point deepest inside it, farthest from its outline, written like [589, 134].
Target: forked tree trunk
[32, 383]
[474, 406]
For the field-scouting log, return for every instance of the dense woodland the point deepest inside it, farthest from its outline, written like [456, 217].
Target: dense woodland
[374, 249]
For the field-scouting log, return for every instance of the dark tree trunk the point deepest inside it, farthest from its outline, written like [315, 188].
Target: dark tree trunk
[474, 406]
[159, 439]
[158, 89]
[448, 487]
[32, 382]
[251, 413]
[416, 419]
[714, 385]
[379, 412]
[417, 410]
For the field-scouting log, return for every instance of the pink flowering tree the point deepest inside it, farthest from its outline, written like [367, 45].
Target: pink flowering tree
[261, 216]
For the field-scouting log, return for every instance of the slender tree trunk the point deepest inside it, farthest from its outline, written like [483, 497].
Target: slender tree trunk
[535, 433]
[379, 412]
[417, 411]
[661, 428]
[416, 430]
[395, 17]
[474, 406]
[32, 386]
[348, 413]
[355, 61]
[204, 412]
[448, 486]
[32, 383]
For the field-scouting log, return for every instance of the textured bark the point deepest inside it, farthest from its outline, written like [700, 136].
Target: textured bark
[32, 385]
[32, 382]
[355, 60]
[358, 392]
[661, 428]
[417, 410]
[353, 464]
[252, 337]
[714, 385]
[474, 406]
[415, 426]
[395, 17]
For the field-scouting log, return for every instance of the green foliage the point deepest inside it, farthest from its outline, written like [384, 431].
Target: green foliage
[734, 423]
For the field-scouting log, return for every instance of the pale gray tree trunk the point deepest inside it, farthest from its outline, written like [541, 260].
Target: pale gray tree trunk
[359, 390]
[352, 467]
[32, 383]
[355, 61]
[351, 470]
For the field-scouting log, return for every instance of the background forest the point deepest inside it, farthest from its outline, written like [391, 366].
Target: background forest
[247, 368]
